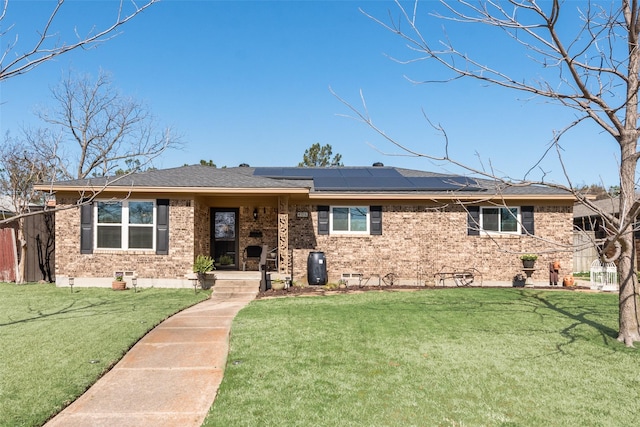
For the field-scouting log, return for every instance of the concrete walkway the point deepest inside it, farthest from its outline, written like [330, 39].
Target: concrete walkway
[170, 377]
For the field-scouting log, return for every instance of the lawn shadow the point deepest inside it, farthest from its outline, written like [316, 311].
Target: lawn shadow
[606, 333]
[70, 308]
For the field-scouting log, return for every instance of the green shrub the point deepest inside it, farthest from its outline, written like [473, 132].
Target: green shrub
[226, 260]
[203, 264]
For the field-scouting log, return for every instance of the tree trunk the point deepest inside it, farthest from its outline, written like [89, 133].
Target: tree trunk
[629, 327]
[22, 248]
[629, 330]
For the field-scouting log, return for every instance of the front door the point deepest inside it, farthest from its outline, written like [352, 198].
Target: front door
[224, 237]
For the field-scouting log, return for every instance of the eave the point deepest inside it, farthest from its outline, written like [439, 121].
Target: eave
[440, 196]
[173, 190]
[311, 195]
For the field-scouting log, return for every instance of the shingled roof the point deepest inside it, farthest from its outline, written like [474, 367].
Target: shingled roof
[194, 176]
[609, 205]
[372, 179]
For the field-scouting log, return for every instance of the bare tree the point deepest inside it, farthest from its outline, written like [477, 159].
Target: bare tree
[594, 72]
[20, 168]
[17, 59]
[93, 131]
[36, 158]
[100, 129]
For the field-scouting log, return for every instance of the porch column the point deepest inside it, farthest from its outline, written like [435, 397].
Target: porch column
[283, 234]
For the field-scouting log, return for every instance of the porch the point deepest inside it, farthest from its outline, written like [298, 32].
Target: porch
[235, 233]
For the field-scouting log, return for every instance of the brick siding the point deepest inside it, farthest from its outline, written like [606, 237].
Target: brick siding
[101, 264]
[419, 241]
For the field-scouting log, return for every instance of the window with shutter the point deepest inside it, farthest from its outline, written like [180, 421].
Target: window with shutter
[125, 224]
[162, 231]
[86, 228]
[500, 219]
[375, 216]
[349, 220]
[323, 220]
[473, 221]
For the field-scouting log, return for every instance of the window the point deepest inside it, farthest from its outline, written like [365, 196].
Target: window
[500, 219]
[349, 219]
[128, 224]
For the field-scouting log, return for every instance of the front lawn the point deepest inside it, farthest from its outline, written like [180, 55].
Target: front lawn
[445, 357]
[54, 344]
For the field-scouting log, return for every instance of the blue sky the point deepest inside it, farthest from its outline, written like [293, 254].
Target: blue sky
[249, 82]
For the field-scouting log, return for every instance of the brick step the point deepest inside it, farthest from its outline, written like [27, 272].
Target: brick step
[244, 296]
[236, 286]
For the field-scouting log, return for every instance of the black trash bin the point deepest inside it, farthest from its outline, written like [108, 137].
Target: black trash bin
[317, 268]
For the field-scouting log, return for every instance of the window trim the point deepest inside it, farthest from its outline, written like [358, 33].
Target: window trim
[367, 230]
[125, 225]
[519, 226]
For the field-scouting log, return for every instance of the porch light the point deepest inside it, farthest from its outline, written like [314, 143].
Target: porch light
[255, 214]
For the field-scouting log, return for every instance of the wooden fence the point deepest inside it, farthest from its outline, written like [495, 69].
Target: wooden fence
[40, 260]
[8, 257]
[585, 252]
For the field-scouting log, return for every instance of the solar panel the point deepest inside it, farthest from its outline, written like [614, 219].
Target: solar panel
[283, 172]
[382, 172]
[444, 183]
[360, 183]
[318, 172]
[352, 172]
[368, 179]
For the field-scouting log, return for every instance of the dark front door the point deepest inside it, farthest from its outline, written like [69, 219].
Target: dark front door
[224, 237]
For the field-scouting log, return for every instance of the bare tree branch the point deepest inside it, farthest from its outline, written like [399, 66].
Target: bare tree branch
[16, 60]
[101, 129]
[588, 60]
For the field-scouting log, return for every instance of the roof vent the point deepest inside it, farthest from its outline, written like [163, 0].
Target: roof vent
[243, 165]
[378, 165]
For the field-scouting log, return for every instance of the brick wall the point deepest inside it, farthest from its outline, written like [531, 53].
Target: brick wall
[146, 264]
[418, 241]
[258, 231]
[201, 228]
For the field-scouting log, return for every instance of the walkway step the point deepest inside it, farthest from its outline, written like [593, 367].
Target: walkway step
[230, 288]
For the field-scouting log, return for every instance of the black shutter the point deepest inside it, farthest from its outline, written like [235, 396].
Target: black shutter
[375, 220]
[473, 220]
[526, 216]
[323, 220]
[86, 228]
[162, 231]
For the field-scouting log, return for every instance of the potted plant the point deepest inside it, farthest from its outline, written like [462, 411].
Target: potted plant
[528, 260]
[226, 260]
[277, 284]
[201, 266]
[119, 284]
[519, 280]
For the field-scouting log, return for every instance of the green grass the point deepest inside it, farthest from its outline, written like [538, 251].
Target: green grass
[54, 344]
[454, 357]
